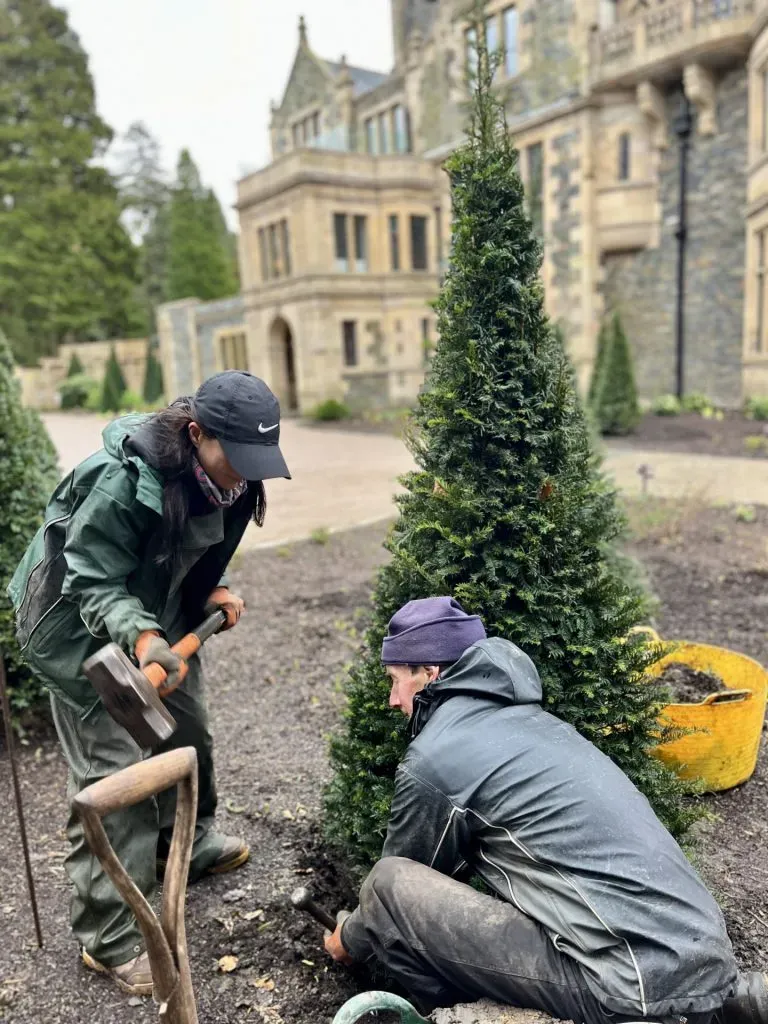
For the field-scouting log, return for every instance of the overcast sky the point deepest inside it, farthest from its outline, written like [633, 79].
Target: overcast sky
[201, 73]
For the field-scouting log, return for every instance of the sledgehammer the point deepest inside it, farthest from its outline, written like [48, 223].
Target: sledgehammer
[132, 696]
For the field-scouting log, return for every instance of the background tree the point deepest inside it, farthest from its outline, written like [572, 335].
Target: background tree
[507, 511]
[146, 196]
[29, 475]
[615, 403]
[597, 368]
[67, 265]
[200, 258]
[227, 238]
[114, 386]
[153, 378]
[75, 366]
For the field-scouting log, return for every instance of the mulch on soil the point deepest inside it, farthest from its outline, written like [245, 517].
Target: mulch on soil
[274, 696]
[690, 432]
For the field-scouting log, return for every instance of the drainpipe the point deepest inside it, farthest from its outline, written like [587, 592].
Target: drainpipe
[683, 125]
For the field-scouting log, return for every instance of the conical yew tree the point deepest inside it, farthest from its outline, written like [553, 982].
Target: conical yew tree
[29, 474]
[615, 402]
[508, 510]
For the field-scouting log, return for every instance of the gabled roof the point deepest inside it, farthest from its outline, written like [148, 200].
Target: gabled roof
[363, 78]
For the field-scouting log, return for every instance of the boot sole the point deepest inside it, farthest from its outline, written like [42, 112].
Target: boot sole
[220, 869]
[129, 990]
[230, 865]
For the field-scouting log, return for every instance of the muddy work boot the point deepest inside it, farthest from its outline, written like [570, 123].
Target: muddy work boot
[234, 853]
[219, 854]
[749, 1003]
[134, 978]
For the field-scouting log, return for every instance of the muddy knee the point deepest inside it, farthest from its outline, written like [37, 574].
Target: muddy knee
[392, 880]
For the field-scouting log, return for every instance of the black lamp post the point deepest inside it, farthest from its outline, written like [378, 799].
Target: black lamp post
[682, 126]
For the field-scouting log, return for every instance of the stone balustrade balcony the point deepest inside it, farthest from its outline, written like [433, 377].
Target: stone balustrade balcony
[658, 42]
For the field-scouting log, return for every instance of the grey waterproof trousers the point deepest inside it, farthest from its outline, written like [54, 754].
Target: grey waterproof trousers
[95, 747]
[446, 943]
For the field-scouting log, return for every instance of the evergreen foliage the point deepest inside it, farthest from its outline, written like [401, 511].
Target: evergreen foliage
[146, 196]
[329, 410]
[666, 405]
[199, 254]
[615, 402]
[67, 266]
[28, 475]
[76, 368]
[508, 510]
[74, 391]
[597, 370]
[114, 385]
[153, 378]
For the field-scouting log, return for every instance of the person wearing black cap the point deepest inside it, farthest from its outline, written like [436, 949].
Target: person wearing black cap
[134, 547]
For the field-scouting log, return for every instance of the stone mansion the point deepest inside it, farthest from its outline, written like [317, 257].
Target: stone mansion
[345, 234]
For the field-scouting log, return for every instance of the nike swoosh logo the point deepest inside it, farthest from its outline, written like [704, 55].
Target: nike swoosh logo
[266, 430]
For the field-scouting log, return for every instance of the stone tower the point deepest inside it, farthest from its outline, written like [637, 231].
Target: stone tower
[408, 15]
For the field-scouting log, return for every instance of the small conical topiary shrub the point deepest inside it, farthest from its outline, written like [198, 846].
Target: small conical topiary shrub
[508, 510]
[76, 368]
[597, 369]
[114, 385]
[28, 475]
[153, 378]
[615, 404]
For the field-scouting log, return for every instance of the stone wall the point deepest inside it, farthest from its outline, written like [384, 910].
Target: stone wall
[564, 229]
[549, 62]
[365, 391]
[642, 286]
[188, 332]
[40, 384]
[211, 317]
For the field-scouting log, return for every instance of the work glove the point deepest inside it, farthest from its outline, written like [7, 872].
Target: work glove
[151, 648]
[232, 606]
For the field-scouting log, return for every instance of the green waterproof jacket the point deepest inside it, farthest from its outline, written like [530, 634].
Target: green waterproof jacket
[91, 574]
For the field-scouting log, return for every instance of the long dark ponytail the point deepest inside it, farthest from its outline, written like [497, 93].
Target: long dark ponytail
[173, 452]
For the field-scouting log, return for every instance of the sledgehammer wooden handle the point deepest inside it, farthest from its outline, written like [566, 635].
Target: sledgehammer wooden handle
[185, 648]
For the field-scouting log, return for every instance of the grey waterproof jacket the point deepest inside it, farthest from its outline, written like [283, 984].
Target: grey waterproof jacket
[492, 781]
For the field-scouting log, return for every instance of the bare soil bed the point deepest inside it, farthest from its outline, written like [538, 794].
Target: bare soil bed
[690, 432]
[274, 697]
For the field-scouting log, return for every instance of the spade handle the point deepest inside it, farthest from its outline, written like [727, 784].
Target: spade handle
[165, 936]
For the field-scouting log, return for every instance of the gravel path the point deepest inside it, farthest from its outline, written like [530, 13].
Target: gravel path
[343, 478]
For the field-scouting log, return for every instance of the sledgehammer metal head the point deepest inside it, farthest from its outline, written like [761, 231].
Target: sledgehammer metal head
[129, 696]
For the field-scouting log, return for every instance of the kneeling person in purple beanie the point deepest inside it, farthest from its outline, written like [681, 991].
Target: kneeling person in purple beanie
[600, 918]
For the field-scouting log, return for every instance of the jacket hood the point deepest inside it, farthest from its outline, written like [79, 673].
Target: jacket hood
[116, 432]
[493, 669]
[149, 488]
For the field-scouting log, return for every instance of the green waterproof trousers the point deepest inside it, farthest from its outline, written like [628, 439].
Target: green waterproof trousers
[95, 747]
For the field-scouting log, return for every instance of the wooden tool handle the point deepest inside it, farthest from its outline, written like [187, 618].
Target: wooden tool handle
[137, 782]
[185, 648]
[165, 938]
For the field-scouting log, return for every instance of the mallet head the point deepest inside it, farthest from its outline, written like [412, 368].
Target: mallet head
[301, 897]
[129, 697]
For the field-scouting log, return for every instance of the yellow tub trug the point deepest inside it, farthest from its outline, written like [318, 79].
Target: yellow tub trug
[723, 750]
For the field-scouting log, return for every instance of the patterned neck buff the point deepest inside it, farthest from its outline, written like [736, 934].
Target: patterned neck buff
[215, 495]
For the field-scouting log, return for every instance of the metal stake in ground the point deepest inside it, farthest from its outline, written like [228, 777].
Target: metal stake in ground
[17, 795]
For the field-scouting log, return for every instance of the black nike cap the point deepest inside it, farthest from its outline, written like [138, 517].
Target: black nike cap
[241, 412]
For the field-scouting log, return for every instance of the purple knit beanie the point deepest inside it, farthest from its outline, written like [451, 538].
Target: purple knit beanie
[433, 631]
